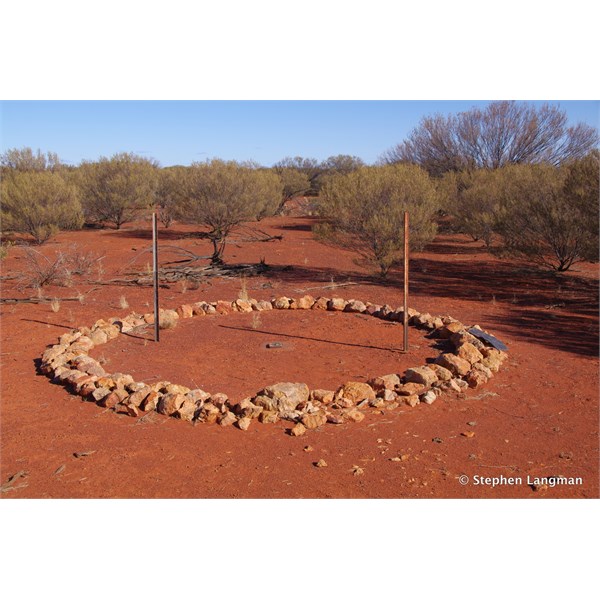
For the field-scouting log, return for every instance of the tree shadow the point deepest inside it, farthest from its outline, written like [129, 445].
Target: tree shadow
[308, 338]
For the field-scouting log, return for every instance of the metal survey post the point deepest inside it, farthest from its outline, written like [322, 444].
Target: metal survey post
[405, 308]
[155, 274]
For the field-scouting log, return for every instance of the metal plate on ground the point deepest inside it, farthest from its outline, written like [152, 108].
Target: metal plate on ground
[490, 339]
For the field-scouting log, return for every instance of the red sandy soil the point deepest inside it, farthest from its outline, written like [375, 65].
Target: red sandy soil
[537, 417]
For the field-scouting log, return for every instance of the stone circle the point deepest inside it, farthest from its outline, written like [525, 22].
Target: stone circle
[470, 363]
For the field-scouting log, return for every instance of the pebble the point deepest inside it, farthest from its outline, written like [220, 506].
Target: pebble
[472, 423]
[320, 463]
[468, 434]
[437, 440]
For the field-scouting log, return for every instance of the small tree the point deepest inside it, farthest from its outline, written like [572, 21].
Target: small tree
[39, 203]
[294, 183]
[364, 211]
[168, 193]
[24, 159]
[115, 189]
[549, 215]
[221, 195]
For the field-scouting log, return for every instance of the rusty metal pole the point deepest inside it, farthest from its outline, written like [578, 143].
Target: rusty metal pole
[155, 274]
[405, 311]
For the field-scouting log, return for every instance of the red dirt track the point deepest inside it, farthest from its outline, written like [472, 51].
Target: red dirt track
[537, 417]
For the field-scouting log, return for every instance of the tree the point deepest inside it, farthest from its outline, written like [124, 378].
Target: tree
[364, 211]
[168, 193]
[39, 203]
[294, 183]
[115, 189]
[24, 159]
[549, 213]
[503, 133]
[309, 166]
[221, 195]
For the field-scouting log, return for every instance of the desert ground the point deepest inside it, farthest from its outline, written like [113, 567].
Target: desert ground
[537, 417]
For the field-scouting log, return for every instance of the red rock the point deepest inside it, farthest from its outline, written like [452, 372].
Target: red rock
[185, 311]
[170, 403]
[323, 396]
[355, 392]
[354, 415]
[469, 353]
[456, 364]
[314, 420]
[338, 304]
[298, 430]
[423, 375]
[385, 382]
[410, 389]
[320, 303]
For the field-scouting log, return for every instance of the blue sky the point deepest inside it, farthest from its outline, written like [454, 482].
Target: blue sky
[181, 132]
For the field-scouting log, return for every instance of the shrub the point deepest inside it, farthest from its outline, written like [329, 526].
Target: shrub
[39, 203]
[364, 211]
[220, 195]
[115, 189]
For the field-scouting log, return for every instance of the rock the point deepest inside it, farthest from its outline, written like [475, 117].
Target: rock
[244, 306]
[456, 364]
[99, 393]
[170, 403]
[298, 430]
[268, 404]
[167, 319]
[304, 303]
[338, 304]
[223, 308]
[320, 463]
[127, 409]
[469, 353]
[308, 448]
[373, 309]
[355, 306]
[67, 338]
[355, 392]
[335, 419]
[423, 375]
[391, 405]
[314, 420]
[462, 337]
[476, 378]
[410, 389]
[197, 309]
[209, 413]
[323, 396]
[483, 369]
[185, 311]
[461, 383]
[281, 303]
[219, 399]
[197, 395]
[173, 388]
[138, 397]
[429, 397]
[320, 303]
[385, 382]
[263, 305]
[111, 399]
[442, 373]
[379, 402]
[287, 395]
[468, 434]
[187, 410]
[453, 385]
[227, 418]
[251, 411]
[244, 423]
[447, 331]
[412, 400]
[268, 416]
[387, 396]
[98, 337]
[289, 415]
[122, 380]
[354, 415]
[150, 402]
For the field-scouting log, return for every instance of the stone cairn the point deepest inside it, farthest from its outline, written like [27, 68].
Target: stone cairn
[470, 364]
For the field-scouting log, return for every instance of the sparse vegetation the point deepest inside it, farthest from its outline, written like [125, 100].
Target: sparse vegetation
[364, 211]
[39, 203]
[115, 189]
[221, 195]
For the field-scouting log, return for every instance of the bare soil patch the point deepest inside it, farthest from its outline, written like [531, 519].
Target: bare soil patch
[322, 349]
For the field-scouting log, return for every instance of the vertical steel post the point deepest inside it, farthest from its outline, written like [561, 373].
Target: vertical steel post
[155, 274]
[405, 311]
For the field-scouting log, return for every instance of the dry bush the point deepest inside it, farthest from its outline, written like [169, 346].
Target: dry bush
[39, 270]
[123, 303]
[80, 262]
[168, 319]
[364, 211]
[55, 305]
